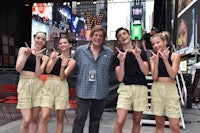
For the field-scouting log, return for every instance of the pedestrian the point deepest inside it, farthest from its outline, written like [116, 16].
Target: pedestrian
[164, 93]
[55, 91]
[93, 69]
[31, 63]
[146, 43]
[131, 66]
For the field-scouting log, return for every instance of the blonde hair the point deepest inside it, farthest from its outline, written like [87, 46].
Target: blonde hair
[165, 36]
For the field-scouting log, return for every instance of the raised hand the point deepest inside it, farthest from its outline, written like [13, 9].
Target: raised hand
[65, 61]
[27, 49]
[136, 51]
[54, 55]
[39, 54]
[154, 57]
[165, 54]
[121, 55]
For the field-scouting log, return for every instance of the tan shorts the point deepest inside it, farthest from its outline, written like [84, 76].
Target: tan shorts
[55, 94]
[29, 92]
[132, 97]
[165, 100]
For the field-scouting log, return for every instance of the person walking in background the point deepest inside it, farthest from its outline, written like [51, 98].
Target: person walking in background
[164, 93]
[55, 92]
[93, 68]
[131, 66]
[31, 64]
[146, 43]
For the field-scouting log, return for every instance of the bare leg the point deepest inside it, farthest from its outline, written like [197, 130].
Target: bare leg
[44, 119]
[136, 122]
[160, 124]
[174, 125]
[121, 117]
[26, 116]
[34, 119]
[60, 118]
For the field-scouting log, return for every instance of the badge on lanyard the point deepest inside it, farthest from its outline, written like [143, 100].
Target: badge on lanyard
[92, 75]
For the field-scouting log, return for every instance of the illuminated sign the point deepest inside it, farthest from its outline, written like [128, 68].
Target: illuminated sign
[94, 21]
[136, 32]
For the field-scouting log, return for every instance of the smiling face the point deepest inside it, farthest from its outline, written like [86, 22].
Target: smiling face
[123, 37]
[64, 44]
[158, 44]
[40, 40]
[97, 38]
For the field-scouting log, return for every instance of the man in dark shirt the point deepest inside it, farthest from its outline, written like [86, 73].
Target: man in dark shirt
[146, 43]
[131, 66]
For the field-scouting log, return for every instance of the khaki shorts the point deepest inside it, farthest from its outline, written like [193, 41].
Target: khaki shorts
[165, 100]
[29, 92]
[132, 97]
[55, 94]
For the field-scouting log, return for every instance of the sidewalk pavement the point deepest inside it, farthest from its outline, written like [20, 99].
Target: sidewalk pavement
[191, 117]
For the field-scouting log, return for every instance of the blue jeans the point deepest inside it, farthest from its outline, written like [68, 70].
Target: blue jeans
[95, 108]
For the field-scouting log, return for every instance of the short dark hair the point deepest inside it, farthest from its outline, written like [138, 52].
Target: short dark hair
[72, 40]
[39, 32]
[154, 28]
[119, 29]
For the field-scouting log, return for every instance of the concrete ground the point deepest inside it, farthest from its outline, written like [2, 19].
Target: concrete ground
[191, 117]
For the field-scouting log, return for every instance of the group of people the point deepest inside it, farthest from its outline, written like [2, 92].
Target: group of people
[94, 63]
[33, 95]
[131, 66]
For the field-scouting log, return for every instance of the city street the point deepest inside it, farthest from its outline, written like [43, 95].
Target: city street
[191, 116]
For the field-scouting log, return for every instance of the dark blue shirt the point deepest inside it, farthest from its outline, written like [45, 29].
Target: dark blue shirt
[97, 89]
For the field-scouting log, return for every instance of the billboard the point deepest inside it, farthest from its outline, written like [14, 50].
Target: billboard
[137, 12]
[136, 32]
[43, 10]
[79, 27]
[186, 30]
[38, 26]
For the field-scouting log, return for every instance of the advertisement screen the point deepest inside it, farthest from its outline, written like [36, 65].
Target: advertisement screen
[43, 10]
[62, 16]
[183, 4]
[186, 32]
[136, 32]
[137, 12]
[78, 26]
[38, 26]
